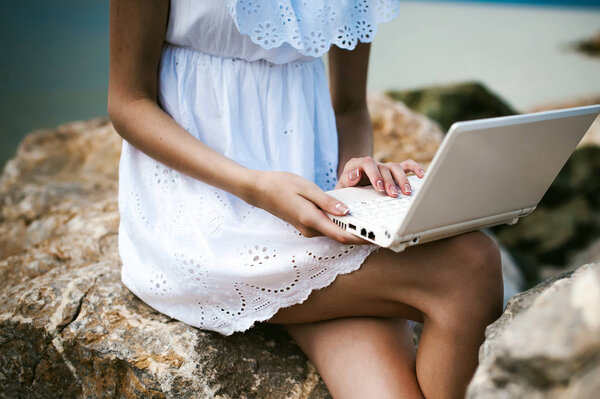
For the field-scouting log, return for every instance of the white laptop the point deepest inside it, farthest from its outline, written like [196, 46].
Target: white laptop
[486, 172]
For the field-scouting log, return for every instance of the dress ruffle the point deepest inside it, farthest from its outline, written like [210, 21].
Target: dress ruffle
[311, 27]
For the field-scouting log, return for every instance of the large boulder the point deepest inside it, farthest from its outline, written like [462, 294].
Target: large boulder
[547, 342]
[69, 328]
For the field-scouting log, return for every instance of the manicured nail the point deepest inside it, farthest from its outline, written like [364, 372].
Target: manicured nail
[407, 188]
[354, 174]
[342, 208]
[380, 185]
[394, 190]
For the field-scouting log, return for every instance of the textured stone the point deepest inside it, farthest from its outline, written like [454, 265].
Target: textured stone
[400, 133]
[547, 342]
[68, 326]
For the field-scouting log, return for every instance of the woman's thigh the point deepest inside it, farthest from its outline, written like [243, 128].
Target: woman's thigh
[409, 284]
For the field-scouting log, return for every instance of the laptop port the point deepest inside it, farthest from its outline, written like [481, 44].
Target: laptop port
[363, 232]
[353, 227]
[371, 235]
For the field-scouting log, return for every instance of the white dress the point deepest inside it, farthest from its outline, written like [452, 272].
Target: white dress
[246, 78]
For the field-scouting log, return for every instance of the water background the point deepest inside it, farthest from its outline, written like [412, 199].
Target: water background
[54, 60]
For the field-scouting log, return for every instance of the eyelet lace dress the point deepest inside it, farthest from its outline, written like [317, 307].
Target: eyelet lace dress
[244, 77]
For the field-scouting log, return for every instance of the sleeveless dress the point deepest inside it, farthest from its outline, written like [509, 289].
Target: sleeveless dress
[245, 77]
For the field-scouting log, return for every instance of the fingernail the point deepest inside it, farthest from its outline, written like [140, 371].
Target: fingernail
[353, 175]
[394, 190]
[407, 188]
[422, 171]
[342, 208]
[380, 185]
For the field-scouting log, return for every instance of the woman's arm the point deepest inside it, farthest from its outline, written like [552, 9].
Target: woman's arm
[348, 87]
[137, 30]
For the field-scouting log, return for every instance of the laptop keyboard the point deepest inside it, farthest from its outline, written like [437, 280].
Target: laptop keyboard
[386, 209]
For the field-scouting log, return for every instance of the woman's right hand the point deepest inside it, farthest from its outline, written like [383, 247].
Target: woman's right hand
[301, 203]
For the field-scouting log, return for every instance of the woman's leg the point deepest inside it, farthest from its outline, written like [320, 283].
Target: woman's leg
[361, 357]
[453, 285]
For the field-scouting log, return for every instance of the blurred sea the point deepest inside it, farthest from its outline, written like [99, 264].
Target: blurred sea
[54, 63]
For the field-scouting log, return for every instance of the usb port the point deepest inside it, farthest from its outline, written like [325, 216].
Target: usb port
[353, 227]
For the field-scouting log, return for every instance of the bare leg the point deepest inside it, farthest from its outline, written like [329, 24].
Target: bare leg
[454, 286]
[361, 357]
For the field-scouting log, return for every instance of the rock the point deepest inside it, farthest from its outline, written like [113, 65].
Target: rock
[399, 133]
[69, 328]
[453, 103]
[565, 222]
[547, 342]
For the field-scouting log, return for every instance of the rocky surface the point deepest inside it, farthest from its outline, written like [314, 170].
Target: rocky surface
[69, 328]
[451, 103]
[400, 133]
[547, 342]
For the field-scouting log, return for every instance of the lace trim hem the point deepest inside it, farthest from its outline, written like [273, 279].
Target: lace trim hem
[243, 324]
[301, 296]
[311, 27]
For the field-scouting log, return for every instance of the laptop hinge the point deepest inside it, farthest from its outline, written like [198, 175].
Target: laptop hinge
[527, 211]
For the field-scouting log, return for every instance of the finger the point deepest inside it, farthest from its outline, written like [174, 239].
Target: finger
[411, 166]
[388, 181]
[400, 176]
[369, 165]
[351, 175]
[326, 202]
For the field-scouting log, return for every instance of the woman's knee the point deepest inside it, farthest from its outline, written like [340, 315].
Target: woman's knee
[476, 250]
[476, 258]
[476, 282]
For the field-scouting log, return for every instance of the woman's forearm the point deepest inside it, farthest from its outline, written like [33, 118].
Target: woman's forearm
[355, 135]
[147, 127]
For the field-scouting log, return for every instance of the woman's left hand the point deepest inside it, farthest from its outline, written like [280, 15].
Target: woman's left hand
[387, 176]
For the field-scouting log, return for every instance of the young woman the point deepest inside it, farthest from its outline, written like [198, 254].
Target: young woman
[231, 136]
